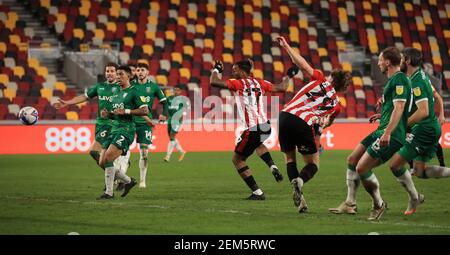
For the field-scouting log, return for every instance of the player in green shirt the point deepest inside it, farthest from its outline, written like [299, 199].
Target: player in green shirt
[147, 90]
[380, 145]
[125, 105]
[177, 106]
[105, 92]
[423, 139]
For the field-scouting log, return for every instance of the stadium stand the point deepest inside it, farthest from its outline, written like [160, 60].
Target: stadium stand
[180, 40]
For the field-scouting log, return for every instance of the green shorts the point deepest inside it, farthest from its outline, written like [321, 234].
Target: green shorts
[372, 143]
[101, 133]
[421, 144]
[144, 133]
[173, 128]
[120, 139]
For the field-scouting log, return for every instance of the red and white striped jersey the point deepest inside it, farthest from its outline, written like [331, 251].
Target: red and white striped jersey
[315, 100]
[249, 94]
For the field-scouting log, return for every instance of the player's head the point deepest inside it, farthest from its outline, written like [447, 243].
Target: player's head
[411, 57]
[123, 75]
[390, 57]
[340, 79]
[133, 68]
[110, 72]
[242, 69]
[142, 71]
[177, 90]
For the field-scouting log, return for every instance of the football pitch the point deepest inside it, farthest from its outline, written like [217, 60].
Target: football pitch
[56, 194]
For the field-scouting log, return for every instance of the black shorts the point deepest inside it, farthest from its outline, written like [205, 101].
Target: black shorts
[252, 138]
[294, 132]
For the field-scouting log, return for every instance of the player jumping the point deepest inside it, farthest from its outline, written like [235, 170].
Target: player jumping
[315, 102]
[249, 93]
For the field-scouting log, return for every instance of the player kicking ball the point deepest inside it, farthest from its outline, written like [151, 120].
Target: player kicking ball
[177, 106]
[126, 105]
[249, 92]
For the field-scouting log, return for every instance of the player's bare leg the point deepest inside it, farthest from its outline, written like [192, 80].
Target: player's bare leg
[404, 177]
[111, 154]
[371, 184]
[246, 175]
[352, 181]
[264, 154]
[143, 164]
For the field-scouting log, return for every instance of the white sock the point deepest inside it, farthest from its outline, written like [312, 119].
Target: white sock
[272, 167]
[124, 162]
[258, 192]
[143, 164]
[170, 147]
[437, 172]
[178, 146]
[353, 182]
[109, 180]
[122, 176]
[372, 186]
[408, 184]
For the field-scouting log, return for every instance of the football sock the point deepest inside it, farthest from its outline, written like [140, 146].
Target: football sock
[124, 163]
[170, 147]
[308, 172]
[178, 146]
[292, 170]
[440, 155]
[143, 162]
[353, 182]
[246, 175]
[95, 155]
[122, 176]
[436, 172]
[404, 177]
[372, 186]
[109, 178]
[268, 159]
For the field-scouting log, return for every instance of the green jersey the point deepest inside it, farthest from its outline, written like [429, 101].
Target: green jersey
[105, 92]
[423, 91]
[126, 99]
[397, 88]
[176, 104]
[147, 93]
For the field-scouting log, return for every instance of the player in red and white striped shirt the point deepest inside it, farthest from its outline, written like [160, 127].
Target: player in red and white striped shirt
[249, 92]
[315, 103]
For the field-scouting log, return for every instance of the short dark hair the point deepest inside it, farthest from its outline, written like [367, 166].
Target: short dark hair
[132, 64]
[341, 79]
[245, 65]
[143, 65]
[393, 55]
[125, 68]
[413, 55]
[112, 64]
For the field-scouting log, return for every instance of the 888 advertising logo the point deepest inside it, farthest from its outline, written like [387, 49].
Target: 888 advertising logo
[68, 139]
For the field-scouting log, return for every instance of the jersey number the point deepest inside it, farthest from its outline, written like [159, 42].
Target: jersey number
[327, 103]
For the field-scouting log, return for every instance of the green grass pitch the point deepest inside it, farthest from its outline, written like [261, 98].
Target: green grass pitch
[56, 194]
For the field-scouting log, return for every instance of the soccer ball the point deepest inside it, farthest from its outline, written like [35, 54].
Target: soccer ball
[28, 115]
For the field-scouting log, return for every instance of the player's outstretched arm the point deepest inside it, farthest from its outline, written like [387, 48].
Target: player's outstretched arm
[295, 57]
[440, 106]
[282, 86]
[141, 111]
[214, 79]
[420, 114]
[64, 103]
